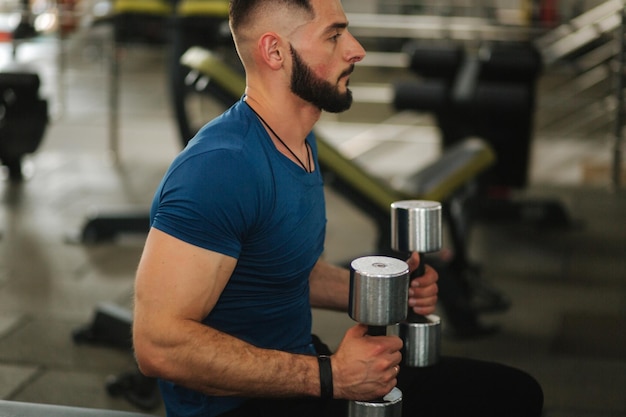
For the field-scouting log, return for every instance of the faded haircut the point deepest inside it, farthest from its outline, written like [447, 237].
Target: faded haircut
[242, 12]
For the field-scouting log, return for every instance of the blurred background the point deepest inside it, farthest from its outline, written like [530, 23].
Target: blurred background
[510, 113]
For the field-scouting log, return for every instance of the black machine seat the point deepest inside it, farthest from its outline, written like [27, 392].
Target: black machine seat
[23, 116]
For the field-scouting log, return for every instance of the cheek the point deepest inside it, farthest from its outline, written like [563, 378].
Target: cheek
[325, 71]
[323, 67]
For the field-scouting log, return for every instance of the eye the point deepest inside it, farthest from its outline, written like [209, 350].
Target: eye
[335, 36]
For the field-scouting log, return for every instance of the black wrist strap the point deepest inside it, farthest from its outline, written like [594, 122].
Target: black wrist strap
[326, 376]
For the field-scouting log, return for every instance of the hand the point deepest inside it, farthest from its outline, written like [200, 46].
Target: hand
[365, 367]
[422, 290]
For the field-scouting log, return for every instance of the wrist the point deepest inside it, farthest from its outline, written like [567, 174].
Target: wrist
[326, 376]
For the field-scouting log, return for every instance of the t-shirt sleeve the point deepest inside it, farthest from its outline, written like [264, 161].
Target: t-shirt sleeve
[210, 200]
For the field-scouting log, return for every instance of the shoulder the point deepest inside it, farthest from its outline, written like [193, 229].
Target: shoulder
[227, 143]
[227, 131]
[227, 154]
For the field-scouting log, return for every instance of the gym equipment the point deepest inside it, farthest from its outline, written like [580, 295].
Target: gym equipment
[178, 23]
[196, 23]
[136, 388]
[388, 406]
[133, 22]
[181, 24]
[100, 227]
[593, 44]
[416, 227]
[425, 26]
[142, 21]
[22, 409]
[25, 28]
[378, 297]
[580, 31]
[23, 117]
[378, 292]
[490, 95]
[111, 326]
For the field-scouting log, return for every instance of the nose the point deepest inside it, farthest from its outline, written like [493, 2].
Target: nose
[355, 51]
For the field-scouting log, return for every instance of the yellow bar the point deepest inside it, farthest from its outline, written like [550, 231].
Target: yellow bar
[154, 7]
[206, 8]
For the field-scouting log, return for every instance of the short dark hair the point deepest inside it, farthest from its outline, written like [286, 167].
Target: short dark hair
[241, 11]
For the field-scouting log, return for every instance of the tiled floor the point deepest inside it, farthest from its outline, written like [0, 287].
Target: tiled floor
[567, 323]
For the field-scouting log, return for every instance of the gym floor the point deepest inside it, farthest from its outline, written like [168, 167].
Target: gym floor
[566, 324]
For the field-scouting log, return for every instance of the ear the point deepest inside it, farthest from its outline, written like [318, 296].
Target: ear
[271, 51]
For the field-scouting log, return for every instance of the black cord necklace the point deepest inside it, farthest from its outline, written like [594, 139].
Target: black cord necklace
[306, 167]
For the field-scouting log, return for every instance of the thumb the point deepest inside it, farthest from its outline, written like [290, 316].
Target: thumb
[413, 261]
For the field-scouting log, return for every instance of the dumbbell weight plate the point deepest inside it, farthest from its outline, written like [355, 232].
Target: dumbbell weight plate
[422, 341]
[390, 406]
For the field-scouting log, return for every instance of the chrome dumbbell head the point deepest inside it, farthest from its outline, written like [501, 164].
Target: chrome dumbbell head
[378, 290]
[422, 341]
[389, 406]
[416, 226]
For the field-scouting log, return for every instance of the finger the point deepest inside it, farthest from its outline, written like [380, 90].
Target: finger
[423, 292]
[425, 310]
[425, 306]
[359, 330]
[394, 345]
[394, 371]
[430, 277]
[423, 301]
[393, 378]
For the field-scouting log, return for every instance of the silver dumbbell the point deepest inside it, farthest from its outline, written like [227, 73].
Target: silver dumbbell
[416, 227]
[378, 293]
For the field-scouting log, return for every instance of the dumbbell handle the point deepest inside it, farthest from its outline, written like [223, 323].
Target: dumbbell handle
[412, 316]
[421, 334]
[377, 330]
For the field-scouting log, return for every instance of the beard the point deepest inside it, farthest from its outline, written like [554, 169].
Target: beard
[317, 91]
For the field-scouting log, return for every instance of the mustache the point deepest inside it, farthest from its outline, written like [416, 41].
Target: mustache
[347, 72]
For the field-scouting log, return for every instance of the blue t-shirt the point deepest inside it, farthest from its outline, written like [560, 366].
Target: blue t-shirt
[231, 191]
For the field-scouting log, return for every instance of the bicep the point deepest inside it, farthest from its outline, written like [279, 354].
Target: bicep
[177, 280]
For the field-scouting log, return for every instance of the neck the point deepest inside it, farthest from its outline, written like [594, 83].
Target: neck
[297, 155]
[289, 116]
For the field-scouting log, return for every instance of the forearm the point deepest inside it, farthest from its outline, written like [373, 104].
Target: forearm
[206, 360]
[330, 286]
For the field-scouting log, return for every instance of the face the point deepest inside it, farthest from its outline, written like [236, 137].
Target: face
[323, 94]
[324, 58]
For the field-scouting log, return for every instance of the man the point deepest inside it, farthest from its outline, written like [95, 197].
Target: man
[231, 266]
